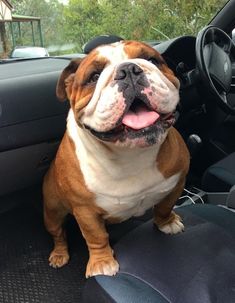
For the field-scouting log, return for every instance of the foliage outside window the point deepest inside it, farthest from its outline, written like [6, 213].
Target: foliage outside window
[68, 25]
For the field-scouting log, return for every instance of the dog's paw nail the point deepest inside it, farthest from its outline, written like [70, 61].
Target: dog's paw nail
[58, 260]
[107, 267]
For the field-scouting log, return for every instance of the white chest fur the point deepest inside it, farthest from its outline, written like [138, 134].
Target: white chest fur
[125, 183]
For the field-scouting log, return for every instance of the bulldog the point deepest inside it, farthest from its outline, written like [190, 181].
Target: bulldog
[120, 154]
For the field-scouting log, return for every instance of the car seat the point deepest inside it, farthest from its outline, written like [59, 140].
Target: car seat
[194, 266]
[220, 177]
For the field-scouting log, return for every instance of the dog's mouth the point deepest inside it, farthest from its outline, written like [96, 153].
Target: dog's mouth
[138, 121]
[139, 116]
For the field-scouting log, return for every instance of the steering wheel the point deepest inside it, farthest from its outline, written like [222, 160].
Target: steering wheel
[215, 52]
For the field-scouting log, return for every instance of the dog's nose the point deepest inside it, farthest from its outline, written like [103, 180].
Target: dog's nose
[128, 70]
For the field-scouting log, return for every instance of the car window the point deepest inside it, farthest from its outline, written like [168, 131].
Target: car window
[64, 26]
[29, 52]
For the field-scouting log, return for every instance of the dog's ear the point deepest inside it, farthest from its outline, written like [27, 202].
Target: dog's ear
[67, 72]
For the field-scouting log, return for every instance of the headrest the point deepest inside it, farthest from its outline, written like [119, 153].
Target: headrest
[99, 40]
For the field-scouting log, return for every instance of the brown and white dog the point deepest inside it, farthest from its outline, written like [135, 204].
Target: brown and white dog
[120, 154]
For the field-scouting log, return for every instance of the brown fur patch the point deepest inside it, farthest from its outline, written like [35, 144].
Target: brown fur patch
[173, 156]
[64, 81]
[68, 182]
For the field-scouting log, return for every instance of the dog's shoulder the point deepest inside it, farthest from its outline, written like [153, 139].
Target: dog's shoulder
[173, 156]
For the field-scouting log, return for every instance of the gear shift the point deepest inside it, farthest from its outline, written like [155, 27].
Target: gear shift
[194, 143]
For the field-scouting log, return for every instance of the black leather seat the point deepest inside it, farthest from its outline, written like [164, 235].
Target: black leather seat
[220, 177]
[196, 266]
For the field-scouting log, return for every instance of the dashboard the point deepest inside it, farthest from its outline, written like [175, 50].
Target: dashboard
[179, 54]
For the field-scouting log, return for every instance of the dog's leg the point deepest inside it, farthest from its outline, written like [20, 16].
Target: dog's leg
[54, 219]
[101, 260]
[166, 219]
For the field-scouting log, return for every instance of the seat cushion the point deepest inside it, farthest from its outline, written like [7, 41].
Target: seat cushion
[220, 177]
[194, 266]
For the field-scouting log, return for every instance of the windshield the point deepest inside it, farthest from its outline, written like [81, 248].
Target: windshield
[64, 26]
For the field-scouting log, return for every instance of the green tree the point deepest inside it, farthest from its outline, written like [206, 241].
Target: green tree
[79, 21]
[82, 21]
[136, 19]
[52, 19]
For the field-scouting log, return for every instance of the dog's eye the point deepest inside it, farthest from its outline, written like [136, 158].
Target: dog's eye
[94, 77]
[154, 61]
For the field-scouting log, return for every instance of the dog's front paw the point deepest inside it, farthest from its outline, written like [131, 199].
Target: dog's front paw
[58, 259]
[107, 266]
[173, 226]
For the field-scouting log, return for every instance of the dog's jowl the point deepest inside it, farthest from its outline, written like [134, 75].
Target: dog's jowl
[120, 154]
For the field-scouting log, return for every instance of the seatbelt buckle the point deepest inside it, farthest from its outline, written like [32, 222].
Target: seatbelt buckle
[230, 202]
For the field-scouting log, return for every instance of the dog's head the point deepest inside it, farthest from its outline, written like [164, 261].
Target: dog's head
[122, 93]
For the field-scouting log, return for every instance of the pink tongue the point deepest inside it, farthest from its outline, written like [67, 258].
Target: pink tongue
[140, 119]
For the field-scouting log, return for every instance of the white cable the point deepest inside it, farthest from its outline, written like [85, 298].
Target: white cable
[190, 198]
[189, 192]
